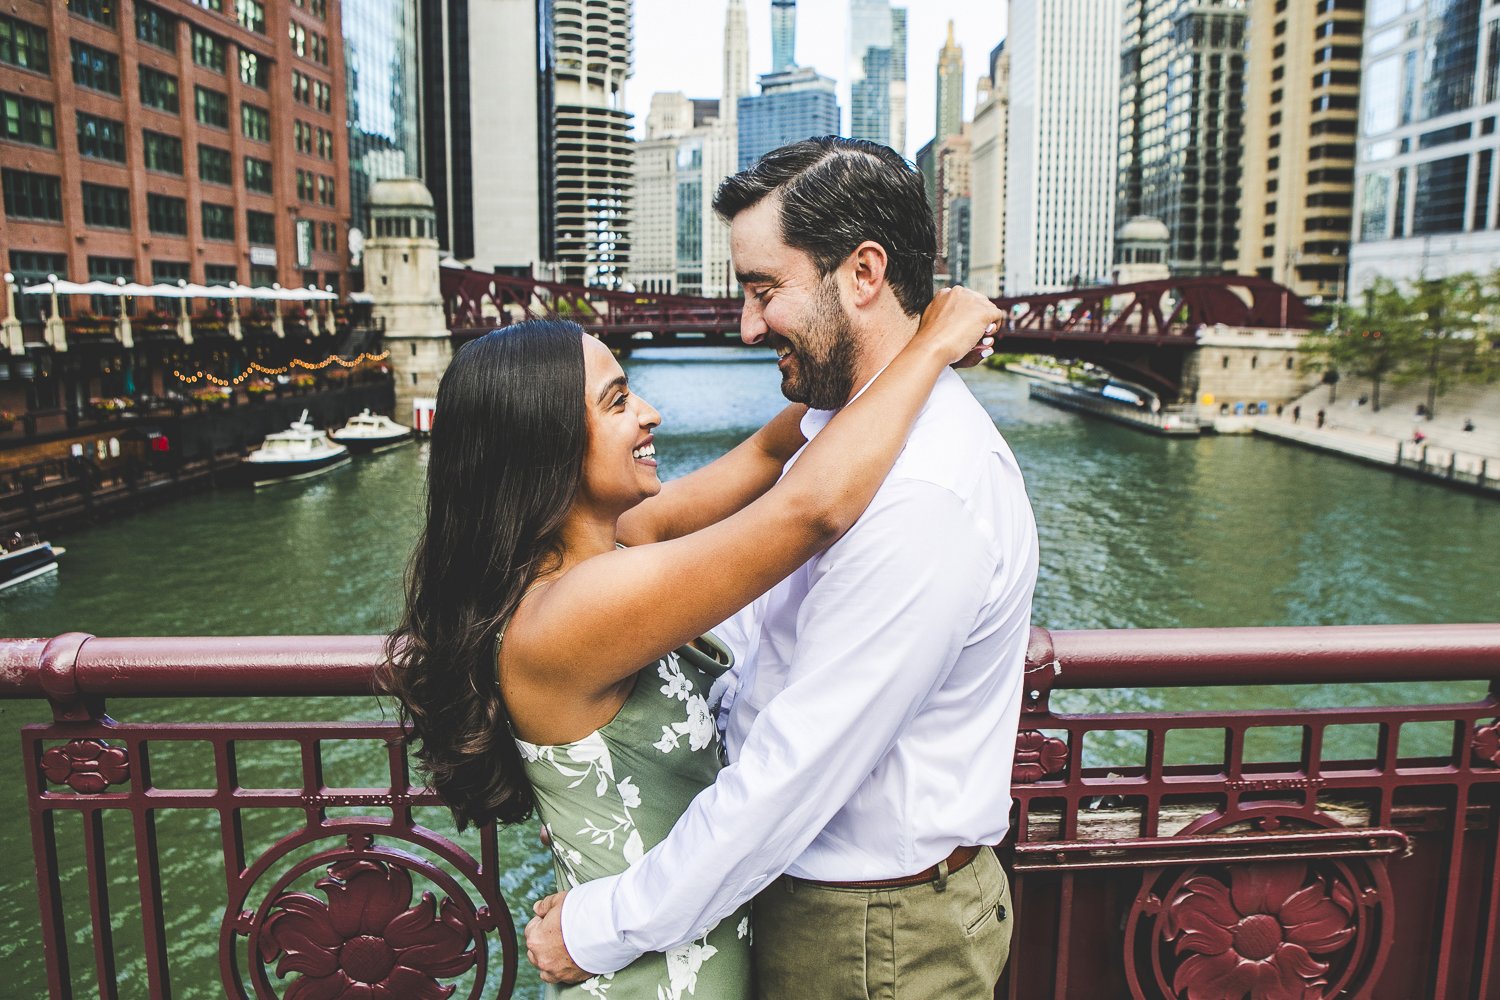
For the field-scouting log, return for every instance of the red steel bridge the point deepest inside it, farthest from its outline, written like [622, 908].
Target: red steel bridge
[1142, 331]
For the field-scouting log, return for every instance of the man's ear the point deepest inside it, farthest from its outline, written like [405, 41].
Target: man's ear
[867, 273]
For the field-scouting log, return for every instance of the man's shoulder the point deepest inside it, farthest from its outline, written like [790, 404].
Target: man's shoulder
[953, 442]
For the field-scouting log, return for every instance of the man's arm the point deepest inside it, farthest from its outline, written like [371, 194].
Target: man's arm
[888, 612]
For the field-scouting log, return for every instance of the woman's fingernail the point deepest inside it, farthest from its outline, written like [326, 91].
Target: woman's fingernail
[986, 352]
[987, 341]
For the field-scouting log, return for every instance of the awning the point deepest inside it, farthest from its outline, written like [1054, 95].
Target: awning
[181, 291]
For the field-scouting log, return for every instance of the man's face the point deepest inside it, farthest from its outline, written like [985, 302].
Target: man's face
[790, 307]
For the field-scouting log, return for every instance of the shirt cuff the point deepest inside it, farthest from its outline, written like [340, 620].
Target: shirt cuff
[588, 932]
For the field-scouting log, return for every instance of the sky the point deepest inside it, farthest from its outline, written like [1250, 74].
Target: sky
[677, 50]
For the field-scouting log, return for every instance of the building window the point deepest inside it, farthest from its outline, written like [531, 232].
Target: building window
[218, 222]
[25, 120]
[217, 6]
[252, 14]
[166, 215]
[260, 228]
[328, 237]
[298, 36]
[258, 175]
[209, 50]
[170, 272]
[32, 196]
[301, 87]
[101, 138]
[255, 123]
[102, 11]
[158, 90]
[1438, 199]
[163, 152]
[24, 45]
[95, 68]
[220, 274]
[253, 70]
[106, 206]
[156, 27]
[212, 107]
[214, 165]
[30, 268]
[322, 96]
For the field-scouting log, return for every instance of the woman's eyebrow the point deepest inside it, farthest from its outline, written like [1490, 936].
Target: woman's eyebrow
[618, 382]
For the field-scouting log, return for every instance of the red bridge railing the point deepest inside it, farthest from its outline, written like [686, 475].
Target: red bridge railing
[1235, 874]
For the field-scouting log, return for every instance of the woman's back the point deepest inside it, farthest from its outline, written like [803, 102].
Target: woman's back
[608, 798]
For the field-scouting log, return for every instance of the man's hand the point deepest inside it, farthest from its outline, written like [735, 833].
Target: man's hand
[544, 943]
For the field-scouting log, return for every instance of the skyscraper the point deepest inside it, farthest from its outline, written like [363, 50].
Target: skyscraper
[736, 60]
[950, 89]
[1182, 125]
[594, 46]
[870, 70]
[793, 105]
[783, 35]
[1426, 199]
[489, 167]
[987, 177]
[898, 80]
[1061, 153]
[1302, 95]
[380, 70]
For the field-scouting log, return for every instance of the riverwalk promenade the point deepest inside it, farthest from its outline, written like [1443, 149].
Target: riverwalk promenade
[1351, 427]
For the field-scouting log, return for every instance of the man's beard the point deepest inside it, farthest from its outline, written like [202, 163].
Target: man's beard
[826, 356]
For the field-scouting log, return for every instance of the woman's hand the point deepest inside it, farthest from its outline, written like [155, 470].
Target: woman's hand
[959, 324]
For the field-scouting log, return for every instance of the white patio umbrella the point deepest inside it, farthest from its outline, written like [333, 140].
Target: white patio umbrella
[65, 287]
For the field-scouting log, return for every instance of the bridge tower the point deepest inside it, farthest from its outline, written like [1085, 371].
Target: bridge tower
[402, 276]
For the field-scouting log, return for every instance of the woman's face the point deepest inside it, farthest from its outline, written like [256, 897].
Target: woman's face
[619, 465]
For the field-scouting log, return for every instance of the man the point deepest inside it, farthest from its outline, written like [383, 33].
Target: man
[872, 731]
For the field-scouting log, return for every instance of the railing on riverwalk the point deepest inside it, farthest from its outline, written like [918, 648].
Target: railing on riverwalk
[1441, 462]
[1231, 876]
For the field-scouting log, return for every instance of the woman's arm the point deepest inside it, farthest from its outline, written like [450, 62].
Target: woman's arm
[601, 620]
[710, 494]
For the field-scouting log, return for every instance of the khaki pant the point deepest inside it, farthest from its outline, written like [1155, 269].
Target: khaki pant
[922, 942]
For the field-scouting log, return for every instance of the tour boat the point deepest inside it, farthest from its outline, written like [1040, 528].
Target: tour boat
[296, 453]
[24, 557]
[370, 432]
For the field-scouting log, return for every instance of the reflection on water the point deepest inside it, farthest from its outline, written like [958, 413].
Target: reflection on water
[1136, 532]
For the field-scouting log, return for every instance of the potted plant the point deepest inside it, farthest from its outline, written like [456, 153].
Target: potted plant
[110, 406]
[303, 382]
[213, 396]
[7, 421]
[258, 389]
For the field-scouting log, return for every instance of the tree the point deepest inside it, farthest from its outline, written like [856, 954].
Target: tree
[1457, 317]
[1374, 340]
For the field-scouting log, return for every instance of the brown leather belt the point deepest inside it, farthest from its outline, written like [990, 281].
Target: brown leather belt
[960, 857]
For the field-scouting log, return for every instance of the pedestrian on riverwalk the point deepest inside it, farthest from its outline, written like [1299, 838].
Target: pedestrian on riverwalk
[1296, 414]
[1321, 417]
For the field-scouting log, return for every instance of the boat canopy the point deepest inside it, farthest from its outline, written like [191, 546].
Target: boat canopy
[183, 291]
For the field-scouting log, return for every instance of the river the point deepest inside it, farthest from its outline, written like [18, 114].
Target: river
[1136, 532]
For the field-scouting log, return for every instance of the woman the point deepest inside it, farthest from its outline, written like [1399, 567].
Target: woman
[545, 665]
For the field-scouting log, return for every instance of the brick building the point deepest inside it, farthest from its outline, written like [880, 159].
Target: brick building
[172, 140]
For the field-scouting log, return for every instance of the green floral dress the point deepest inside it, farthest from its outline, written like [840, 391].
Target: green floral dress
[608, 798]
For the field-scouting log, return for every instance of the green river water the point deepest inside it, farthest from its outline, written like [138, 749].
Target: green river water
[1136, 532]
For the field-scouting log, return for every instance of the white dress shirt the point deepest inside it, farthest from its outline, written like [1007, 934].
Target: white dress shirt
[877, 694]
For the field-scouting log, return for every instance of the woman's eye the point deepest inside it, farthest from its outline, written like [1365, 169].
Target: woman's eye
[620, 399]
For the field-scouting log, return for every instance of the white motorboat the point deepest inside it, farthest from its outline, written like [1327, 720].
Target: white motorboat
[370, 432]
[299, 452]
[25, 557]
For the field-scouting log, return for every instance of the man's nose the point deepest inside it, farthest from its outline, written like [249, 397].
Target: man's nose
[753, 328]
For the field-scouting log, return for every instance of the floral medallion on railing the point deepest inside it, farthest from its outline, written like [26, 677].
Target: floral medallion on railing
[87, 766]
[367, 940]
[1486, 744]
[1261, 935]
[1303, 928]
[1038, 756]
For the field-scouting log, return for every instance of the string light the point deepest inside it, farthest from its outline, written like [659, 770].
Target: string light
[254, 367]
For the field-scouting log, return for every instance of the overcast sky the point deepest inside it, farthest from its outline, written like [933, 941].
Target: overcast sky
[680, 46]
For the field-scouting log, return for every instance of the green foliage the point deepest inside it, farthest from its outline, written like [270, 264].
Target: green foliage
[1438, 330]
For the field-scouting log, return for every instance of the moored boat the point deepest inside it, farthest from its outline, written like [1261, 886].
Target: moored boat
[25, 557]
[299, 452]
[370, 432]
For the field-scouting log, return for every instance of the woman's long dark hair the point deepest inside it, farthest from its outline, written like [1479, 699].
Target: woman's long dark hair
[506, 462]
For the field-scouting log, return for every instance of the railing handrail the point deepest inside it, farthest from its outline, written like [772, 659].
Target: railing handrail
[77, 665]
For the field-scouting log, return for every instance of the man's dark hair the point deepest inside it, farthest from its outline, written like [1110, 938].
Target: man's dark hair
[835, 194]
